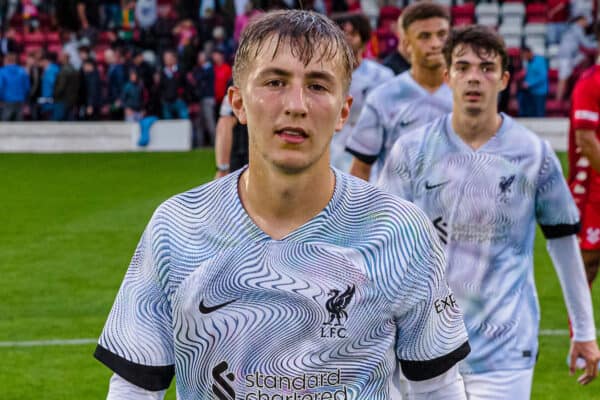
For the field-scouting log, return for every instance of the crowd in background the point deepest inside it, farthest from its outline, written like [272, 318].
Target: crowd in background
[126, 59]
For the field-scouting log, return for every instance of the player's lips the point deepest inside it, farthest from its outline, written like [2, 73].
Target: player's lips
[292, 134]
[473, 95]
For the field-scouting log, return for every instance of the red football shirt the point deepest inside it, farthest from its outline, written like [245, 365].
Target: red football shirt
[585, 114]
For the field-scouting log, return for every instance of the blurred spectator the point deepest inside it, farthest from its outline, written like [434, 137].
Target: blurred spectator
[398, 61]
[132, 98]
[558, 15]
[223, 44]
[203, 79]
[110, 11]
[242, 20]
[92, 89]
[186, 35]
[116, 77]
[71, 47]
[162, 31]
[534, 87]
[172, 87]
[153, 103]
[570, 54]
[9, 43]
[222, 74]
[14, 87]
[66, 90]
[143, 68]
[88, 14]
[51, 70]
[30, 15]
[34, 70]
[66, 15]
[146, 13]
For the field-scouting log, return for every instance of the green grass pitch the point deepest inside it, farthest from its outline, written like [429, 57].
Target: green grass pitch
[69, 226]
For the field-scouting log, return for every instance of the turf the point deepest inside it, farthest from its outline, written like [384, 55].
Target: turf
[69, 226]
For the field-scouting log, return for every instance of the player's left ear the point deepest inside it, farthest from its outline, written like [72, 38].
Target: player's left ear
[234, 94]
[344, 113]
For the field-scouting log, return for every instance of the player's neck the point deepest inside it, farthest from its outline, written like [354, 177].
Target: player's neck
[279, 203]
[475, 131]
[428, 79]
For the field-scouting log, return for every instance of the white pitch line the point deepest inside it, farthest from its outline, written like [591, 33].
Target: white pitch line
[75, 342]
[45, 343]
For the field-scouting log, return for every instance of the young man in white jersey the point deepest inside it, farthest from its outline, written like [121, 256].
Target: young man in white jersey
[367, 75]
[287, 279]
[485, 180]
[410, 99]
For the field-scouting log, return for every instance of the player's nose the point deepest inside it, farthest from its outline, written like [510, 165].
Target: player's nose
[295, 100]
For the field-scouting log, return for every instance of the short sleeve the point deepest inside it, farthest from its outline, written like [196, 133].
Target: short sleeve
[555, 209]
[367, 137]
[395, 177]
[431, 333]
[586, 106]
[137, 339]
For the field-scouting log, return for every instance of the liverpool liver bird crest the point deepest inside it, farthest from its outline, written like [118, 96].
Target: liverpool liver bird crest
[337, 303]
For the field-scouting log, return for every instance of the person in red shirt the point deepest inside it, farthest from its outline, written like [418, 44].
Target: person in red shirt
[584, 163]
[222, 74]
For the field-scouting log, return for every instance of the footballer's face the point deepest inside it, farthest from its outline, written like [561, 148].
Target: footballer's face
[475, 80]
[425, 39]
[291, 109]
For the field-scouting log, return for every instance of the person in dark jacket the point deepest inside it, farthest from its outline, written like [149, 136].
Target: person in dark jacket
[117, 78]
[14, 88]
[132, 97]
[203, 80]
[172, 87]
[66, 90]
[93, 91]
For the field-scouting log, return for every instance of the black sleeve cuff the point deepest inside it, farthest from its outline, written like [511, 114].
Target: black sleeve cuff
[561, 230]
[144, 376]
[362, 157]
[422, 370]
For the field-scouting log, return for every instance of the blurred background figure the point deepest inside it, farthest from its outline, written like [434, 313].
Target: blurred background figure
[14, 88]
[534, 86]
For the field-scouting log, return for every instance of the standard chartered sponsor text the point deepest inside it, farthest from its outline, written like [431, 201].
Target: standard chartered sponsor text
[317, 386]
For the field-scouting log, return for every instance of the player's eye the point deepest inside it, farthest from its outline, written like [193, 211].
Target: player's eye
[317, 87]
[274, 83]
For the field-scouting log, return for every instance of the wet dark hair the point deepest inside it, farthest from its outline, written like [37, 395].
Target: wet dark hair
[359, 21]
[310, 35]
[481, 39]
[423, 10]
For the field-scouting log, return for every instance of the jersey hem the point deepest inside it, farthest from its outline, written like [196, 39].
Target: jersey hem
[153, 378]
[422, 370]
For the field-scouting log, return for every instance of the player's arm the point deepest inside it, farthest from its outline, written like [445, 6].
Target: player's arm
[587, 141]
[120, 389]
[137, 340]
[366, 140]
[433, 337]
[567, 261]
[224, 138]
[558, 217]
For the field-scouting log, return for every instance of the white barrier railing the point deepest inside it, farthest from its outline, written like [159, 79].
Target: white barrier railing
[172, 135]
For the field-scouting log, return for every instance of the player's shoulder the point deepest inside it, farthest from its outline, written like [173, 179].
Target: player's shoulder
[200, 202]
[373, 208]
[380, 71]
[517, 134]
[393, 90]
[420, 137]
[588, 83]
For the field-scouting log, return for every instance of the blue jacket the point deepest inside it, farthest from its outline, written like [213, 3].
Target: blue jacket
[48, 80]
[536, 76]
[14, 83]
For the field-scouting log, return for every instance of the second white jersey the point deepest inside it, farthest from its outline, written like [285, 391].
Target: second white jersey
[365, 78]
[390, 111]
[484, 204]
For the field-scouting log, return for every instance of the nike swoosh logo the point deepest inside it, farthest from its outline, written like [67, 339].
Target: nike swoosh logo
[429, 187]
[208, 309]
[406, 123]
